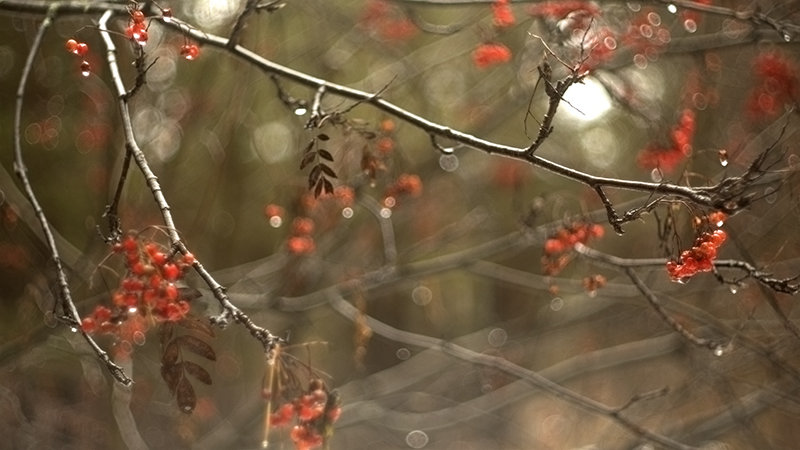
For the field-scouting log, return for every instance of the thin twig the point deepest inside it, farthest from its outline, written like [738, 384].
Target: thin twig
[69, 311]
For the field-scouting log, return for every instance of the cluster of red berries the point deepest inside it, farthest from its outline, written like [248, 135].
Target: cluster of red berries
[315, 411]
[405, 185]
[490, 54]
[556, 247]
[301, 242]
[387, 21]
[80, 49]
[147, 290]
[137, 30]
[699, 258]
[681, 137]
[502, 16]
[593, 283]
[777, 84]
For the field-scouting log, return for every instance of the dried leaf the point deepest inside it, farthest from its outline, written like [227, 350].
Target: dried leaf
[313, 176]
[328, 171]
[172, 375]
[308, 158]
[308, 146]
[323, 137]
[197, 346]
[324, 154]
[318, 188]
[197, 324]
[165, 332]
[328, 186]
[197, 371]
[171, 353]
[184, 393]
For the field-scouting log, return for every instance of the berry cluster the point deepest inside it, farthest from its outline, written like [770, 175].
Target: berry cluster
[325, 208]
[315, 411]
[777, 84]
[405, 185]
[137, 30]
[699, 258]
[593, 283]
[555, 247]
[490, 54]
[387, 21]
[80, 49]
[502, 16]
[681, 137]
[147, 290]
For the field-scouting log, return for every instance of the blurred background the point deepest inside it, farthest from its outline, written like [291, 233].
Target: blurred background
[453, 256]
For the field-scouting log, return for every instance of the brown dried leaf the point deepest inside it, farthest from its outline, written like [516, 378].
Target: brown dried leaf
[197, 346]
[172, 375]
[197, 324]
[184, 393]
[328, 186]
[171, 353]
[328, 171]
[308, 158]
[197, 371]
[318, 187]
[323, 137]
[324, 154]
[165, 332]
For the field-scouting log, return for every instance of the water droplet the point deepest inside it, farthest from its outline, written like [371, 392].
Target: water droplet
[132, 310]
[448, 163]
[719, 350]
[770, 195]
[421, 295]
[656, 175]
[389, 202]
[447, 150]
[417, 439]
[73, 329]
[684, 280]
[300, 111]
[640, 61]
[403, 353]
[787, 36]
[275, 221]
[634, 6]
[556, 304]
[347, 212]
[733, 288]
[497, 337]
[654, 19]
[386, 213]
[690, 25]
[187, 408]
[672, 8]
[138, 338]
[264, 443]
[723, 157]
[610, 43]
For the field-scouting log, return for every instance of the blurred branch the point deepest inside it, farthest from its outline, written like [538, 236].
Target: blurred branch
[349, 311]
[70, 313]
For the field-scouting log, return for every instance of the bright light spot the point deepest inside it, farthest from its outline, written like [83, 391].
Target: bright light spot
[417, 439]
[273, 142]
[403, 353]
[672, 8]
[386, 213]
[422, 295]
[497, 337]
[587, 101]
[275, 221]
[347, 212]
[556, 304]
[213, 13]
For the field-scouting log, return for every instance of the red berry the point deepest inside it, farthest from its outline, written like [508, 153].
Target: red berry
[166, 12]
[137, 16]
[72, 46]
[171, 272]
[189, 51]
[82, 49]
[88, 325]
